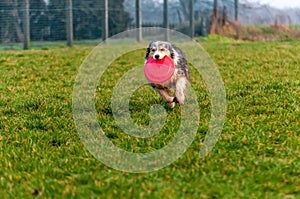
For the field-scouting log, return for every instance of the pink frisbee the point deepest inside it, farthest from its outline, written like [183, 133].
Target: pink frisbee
[159, 71]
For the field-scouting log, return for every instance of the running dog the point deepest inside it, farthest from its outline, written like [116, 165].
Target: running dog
[157, 50]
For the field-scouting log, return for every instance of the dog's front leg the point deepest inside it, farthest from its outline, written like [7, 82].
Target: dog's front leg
[165, 93]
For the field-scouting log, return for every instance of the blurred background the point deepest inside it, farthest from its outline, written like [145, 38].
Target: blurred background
[28, 23]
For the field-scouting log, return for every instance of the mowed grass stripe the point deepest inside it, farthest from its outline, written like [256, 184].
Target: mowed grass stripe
[257, 155]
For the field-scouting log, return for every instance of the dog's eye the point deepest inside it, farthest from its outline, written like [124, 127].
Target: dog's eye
[153, 50]
[163, 49]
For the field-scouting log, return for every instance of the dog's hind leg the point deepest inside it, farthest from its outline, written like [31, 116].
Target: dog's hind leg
[180, 89]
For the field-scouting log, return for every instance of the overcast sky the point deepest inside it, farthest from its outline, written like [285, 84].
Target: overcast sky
[280, 3]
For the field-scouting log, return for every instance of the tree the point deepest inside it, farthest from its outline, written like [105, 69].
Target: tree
[119, 20]
[192, 18]
[185, 9]
[38, 20]
[57, 20]
[10, 21]
[88, 18]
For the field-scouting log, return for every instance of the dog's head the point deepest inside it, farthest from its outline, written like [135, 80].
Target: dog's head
[159, 49]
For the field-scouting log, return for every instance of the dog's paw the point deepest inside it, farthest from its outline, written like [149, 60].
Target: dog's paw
[172, 104]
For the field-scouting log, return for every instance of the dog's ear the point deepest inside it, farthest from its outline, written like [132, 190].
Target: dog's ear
[172, 53]
[147, 53]
[171, 50]
[148, 50]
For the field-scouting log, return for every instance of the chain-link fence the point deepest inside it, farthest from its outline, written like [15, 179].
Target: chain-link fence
[58, 21]
[29, 23]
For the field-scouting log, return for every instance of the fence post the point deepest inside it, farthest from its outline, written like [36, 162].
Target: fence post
[216, 9]
[138, 12]
[69, 23]
[106, 25]
[166, 20]
[26, 26]
[236, 10]
[192, 19]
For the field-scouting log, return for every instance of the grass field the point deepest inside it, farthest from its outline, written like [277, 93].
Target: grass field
[257, 155]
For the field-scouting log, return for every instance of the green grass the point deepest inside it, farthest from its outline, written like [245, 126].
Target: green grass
[45, 45]
[295, 26]
[218, 38]
[257, 155]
